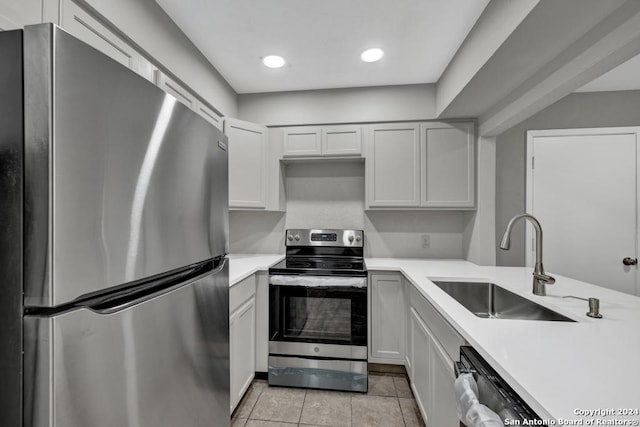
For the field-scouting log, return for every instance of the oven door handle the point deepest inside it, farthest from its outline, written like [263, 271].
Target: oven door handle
[318, 281]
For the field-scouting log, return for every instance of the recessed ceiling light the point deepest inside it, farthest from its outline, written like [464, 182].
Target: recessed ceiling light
[372, 55]
[274, 61]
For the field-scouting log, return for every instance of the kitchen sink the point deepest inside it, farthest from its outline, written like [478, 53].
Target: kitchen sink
[489, 300]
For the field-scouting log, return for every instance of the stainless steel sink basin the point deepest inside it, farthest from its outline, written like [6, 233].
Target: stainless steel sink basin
[492, 301]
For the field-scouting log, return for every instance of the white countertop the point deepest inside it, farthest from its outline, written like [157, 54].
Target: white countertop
[244, 265]
[558, 368]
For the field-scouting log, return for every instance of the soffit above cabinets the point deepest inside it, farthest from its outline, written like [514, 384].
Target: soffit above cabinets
[322, 40]
[625, 76]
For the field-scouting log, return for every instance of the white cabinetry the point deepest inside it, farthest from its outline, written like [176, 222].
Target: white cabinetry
[427, 165]
[387, 314]
[341, 141]
[433, 345]
[209, 114]
[16, 14]
[309, 141]
[447, 165]
[393, 165]
[242, 337]
[87, 28]
[174, 88]
[248, 152]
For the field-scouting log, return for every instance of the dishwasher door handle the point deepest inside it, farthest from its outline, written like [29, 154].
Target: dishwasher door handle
[459, 368]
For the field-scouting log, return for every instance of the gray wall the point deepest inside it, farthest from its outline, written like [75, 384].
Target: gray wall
[330, 194]
[350, 105]
[578, 110]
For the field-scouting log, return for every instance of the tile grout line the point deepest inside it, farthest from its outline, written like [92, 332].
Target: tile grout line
[254, 403]
[304, 399]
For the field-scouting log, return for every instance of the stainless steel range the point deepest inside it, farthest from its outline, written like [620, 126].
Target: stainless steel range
[318, 312]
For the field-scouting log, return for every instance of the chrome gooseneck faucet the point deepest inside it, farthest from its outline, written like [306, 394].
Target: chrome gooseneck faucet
[540, 279]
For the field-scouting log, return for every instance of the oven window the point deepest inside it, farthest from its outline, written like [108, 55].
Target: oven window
[317, 318]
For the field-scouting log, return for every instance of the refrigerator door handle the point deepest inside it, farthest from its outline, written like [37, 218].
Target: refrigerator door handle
[131, 296]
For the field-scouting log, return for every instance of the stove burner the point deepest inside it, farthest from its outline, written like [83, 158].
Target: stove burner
[298, 264]
[336, 265]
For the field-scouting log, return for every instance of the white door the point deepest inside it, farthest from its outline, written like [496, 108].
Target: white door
[582, 185]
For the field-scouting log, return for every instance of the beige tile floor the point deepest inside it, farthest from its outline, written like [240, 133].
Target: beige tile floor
[389, 403]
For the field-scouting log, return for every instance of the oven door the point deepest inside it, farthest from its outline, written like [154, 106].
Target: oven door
[327, 310]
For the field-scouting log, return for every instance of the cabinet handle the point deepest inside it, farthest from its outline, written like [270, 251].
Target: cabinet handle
[630, 261]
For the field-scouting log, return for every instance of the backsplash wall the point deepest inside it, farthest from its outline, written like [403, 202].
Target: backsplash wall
[330, 194]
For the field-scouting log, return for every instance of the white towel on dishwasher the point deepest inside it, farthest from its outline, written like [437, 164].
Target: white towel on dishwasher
[470, 411]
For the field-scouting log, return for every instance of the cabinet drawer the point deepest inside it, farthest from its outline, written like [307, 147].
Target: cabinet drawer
[241, 292]
[443, 332]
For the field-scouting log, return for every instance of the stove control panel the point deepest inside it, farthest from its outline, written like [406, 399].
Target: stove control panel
[317, 237]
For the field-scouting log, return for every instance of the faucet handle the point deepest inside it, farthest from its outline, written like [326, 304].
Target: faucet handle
[549, 280]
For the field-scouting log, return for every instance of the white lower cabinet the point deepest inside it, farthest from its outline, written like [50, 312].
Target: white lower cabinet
[442, 411]
[242, 338]
[419, 348]
[431, 371]
[387, 308]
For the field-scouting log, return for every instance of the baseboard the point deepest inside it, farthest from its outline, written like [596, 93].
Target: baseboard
[384, 368]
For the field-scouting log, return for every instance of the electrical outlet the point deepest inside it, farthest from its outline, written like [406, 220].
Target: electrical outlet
[426, 241]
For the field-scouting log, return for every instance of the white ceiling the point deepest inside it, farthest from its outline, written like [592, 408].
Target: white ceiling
[625, 76]
[322, 40]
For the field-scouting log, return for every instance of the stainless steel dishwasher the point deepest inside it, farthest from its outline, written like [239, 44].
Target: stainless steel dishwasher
[493, 391]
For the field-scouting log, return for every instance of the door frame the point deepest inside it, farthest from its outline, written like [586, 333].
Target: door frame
[532, 134]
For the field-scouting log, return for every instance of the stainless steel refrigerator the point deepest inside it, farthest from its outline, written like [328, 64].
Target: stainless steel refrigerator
[113, 241]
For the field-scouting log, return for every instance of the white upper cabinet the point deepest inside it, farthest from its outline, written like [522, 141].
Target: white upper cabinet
[302, 141]
[16, 14]
[209, 114]
[174, 88]
[393, 165]
[87, 28]
[420, 166]
[341, 141]
[248, 154]
[311, 141]
[447, 165]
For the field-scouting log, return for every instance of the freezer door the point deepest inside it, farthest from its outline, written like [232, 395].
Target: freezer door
[122, 181]
[163, 362]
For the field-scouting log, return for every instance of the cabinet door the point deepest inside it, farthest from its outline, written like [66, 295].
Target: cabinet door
[420, 352]
[302, 142]
[248, 152]
[209, 114]
[447, 165]
[174, 88]
[393, 165]
[387, 318]
[242, 339]
[16, 14]
[442, 405]
[81, 24]
[408, 361]
[341, 141]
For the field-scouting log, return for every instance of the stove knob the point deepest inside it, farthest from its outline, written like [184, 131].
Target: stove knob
[297, 237]
[351, 239]
[358, 238]
[289, 237]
